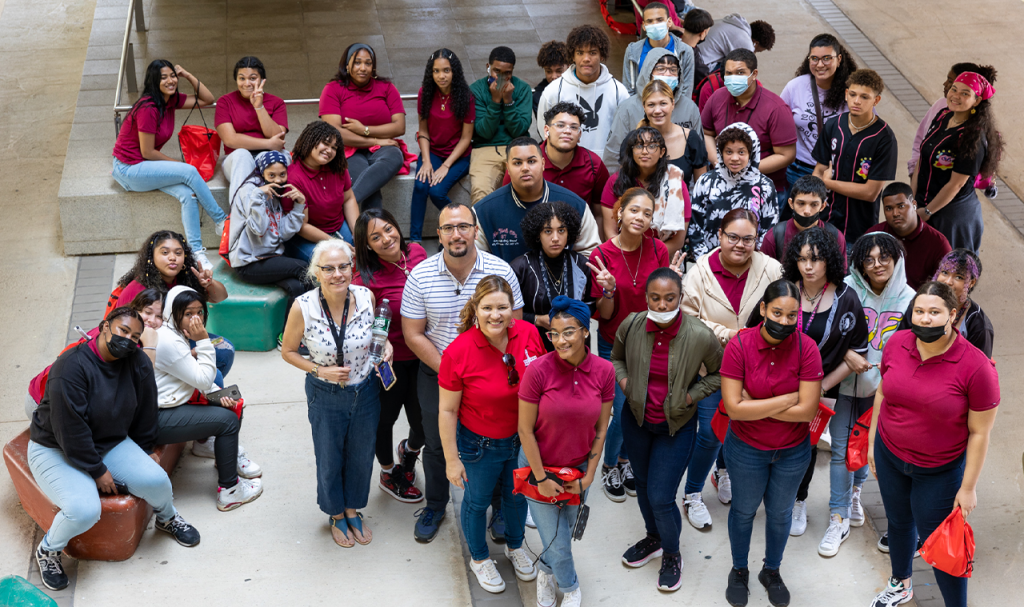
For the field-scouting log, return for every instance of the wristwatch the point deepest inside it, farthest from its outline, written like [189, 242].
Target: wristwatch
[927, 211]
[315, 371]
[366, 131]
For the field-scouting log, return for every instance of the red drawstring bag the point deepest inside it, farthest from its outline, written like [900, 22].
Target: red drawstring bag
[225, 242]
[720, 422]
[950, 548]
[200, 145]
[522, 485]
[857, 447]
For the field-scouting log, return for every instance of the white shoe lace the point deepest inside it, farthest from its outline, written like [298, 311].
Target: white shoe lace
[627, 471]
[177, 524]
[611, 477]
[695, 505]
[895, 589]
[519, 559]
[545, 589]
[489, 572]
[833, 534]
[573, 599]
[855, 505]
[50, 561]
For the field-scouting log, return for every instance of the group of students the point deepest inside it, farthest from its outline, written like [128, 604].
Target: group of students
[736, 231]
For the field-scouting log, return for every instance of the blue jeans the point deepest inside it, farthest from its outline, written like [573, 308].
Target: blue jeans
[614, 447]
[76, 494]
[344, 423]
[708, 450]
[555, 524]
[302, 249]
[841, 480]
[489, 463]
[178, 179]
[769, 476]
[916, 501]
[659, 460]
[225, 357]
[438, 193]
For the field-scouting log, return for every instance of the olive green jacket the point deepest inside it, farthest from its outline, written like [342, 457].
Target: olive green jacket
[694, 345]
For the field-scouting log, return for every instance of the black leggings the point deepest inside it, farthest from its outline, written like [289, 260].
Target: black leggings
[805, 484]
[197, 422]
[285, 272]
[391, 402]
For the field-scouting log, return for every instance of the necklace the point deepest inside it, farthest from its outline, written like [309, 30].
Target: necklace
[519, 203]
[405, 264]
[445, 100]
[632, 275]
[953, 125]
[856, 129]
[816, 300]
[557, 281]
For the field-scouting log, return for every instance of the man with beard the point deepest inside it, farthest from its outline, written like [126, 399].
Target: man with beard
[437, 290]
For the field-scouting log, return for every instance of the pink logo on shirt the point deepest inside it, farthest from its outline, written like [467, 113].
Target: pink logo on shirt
[943, 160]
[865, 166]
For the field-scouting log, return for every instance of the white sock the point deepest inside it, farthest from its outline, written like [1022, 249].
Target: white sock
[388, 469]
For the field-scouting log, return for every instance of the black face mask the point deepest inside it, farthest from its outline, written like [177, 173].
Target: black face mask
[805, 222]
[928, 334]
[777, 330]
[120, 346]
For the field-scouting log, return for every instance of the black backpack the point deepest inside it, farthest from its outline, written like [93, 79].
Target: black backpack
[779, 234]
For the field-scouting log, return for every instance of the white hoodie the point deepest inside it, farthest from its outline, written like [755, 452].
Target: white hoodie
[177, 374]
[599, 100]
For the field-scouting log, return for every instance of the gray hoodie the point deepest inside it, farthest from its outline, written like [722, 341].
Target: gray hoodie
[599, 100]
[631, 111]
[631, 65]
[728, 33]
[259, 226]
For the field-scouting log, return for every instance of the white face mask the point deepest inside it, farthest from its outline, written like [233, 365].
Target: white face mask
[662, 317]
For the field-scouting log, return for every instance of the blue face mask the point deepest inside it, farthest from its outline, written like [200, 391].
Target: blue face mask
[657, 31]
[671, 81]
[737, 85]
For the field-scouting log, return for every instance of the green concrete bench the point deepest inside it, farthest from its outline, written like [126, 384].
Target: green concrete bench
[251, 315]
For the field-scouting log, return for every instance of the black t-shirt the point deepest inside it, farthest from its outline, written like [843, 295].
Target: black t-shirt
[695, 156]
[939, 160]
[855, 158]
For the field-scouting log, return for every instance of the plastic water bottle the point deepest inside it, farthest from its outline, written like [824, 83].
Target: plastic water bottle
[381, 324]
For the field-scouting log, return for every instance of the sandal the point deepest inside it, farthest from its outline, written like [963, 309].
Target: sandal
[356, 524]
[339, 524]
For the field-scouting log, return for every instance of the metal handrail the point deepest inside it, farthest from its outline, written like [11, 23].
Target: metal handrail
[314, 101]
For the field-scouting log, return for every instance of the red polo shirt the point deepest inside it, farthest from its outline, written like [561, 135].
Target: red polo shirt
[732, 285]
[569, 401]
[925, 247]
[657, 373]
[444, 128]
[471, 365]
[389, 283]
[585, 175]
[146, 119]
[373, 104]
[238, 111]
[325, 194]
[766, 113]
[768, 371]
[923, 417]
[627, 267]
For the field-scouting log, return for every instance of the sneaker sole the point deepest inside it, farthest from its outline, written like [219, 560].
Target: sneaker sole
[618, 499]
[491, 589]
[202, 455]
[882, 548]
[235, 505]
[257, 475]
[793, 533]
[630, 493]
[525, 577]
[54, 588]
[671, 588]
[856, 522]
[686, 511]
[841, 540]
[404, 500]
[657, 553]
[176, 539]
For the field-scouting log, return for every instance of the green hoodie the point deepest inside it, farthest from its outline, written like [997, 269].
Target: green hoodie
[496, 123]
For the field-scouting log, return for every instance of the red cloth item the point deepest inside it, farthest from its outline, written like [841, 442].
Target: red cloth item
[37, 385]
[521, 484]
[569, 401]
[768, 371]
[146, 119]
[200, 147]
[657, 373]
[857, 446]
[443, 127]
[624, 266]
[768, 244]
[720, 423]
[978, 83]
[238, 111]
[325, 195]
[925, 247]
[132, 290]
[471, 365]
[923, 417]
[950, 548]
[585, 175]
[372, 104]
[731, 284]
[389, 283]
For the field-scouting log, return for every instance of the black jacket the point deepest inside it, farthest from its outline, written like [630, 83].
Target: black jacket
[977, 328]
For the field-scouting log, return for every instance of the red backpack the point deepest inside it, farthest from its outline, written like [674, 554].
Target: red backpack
[225, 241]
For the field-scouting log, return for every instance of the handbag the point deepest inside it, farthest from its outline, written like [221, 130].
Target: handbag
[521, 484]
[950, 548]
[224, 250]
[857, 446]
[200, 145]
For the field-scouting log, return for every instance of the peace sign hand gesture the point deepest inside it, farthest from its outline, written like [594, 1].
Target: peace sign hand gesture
[256, 99]
[677, 263]
[601, 275]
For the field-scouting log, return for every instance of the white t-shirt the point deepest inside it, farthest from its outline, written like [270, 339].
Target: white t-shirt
[797, 96]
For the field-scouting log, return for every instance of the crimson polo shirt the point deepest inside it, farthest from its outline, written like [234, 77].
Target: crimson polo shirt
[624, 266]
[657, 373]
[325, 194]
[585, 175]
[923, 417]
[238, 111]
[766, 113]
[768, 371]
[146, 119]
[443, 127]
[925, 247]
[372, 104]
[569, 401]
[471, 365]
[732, 285]
[389, 283]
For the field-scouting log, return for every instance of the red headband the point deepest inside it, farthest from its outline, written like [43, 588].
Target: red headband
[978, 84]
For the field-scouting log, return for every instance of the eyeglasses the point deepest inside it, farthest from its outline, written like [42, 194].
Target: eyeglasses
[650, 147]
[666, 70]
[883, 260]
[826, 60]
[561, 126]
[735, 238]
[463, 228]
[510, 364]
[342, 268]
[567, 335]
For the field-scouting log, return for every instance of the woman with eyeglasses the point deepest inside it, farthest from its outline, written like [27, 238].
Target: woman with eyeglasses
[722, 290]
[684, 146]
[479, 415]
[736, 182]
[565, 402]
[335, 322]
[658, 356]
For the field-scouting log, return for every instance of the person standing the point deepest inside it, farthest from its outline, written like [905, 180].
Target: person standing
[925, 246]
[656, 29]
[684, 146]
[554, 59]
[807, 201]
[435, 293]
[696, 26]
[732, 32]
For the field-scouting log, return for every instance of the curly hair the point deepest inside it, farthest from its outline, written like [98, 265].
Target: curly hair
[868, 78]
[630, 171]
[367, 259]
[145, 273]
[315, 133]
[460, 95]
[564, 107]
[486, 286]
[981, 127]
[886, 243]
[963, 262]
[343, 76]
[732, 135]
[587, 35]
[835, 96]
[654, 87]
[553, 54]
[987, 71]
[540, 216]
[823, 245]
[763, 33]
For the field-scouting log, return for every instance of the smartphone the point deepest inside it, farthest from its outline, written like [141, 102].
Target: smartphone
[581, 522]
[502, 80]
[387, 374]
[120, 488]
[229, 392]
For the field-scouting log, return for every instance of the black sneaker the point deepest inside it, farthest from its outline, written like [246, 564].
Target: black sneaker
[611, 481]
[396, 485]
[407, 460]
[183, 533]
[497, 526]
[778, 594]
[640, 553]
[670, 577]
[51, 569]
[737, 592]
[628, 482]
[883, 545]
[428, 522]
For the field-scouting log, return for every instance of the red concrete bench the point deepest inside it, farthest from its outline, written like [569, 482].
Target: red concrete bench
[119, 530]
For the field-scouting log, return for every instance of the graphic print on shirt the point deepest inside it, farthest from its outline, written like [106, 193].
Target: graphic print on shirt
[881, 327]
[943, 160]
[591, 116]
[504, 237]
[863, 166]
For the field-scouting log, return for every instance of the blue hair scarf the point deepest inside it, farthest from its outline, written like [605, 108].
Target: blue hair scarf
[574, 307]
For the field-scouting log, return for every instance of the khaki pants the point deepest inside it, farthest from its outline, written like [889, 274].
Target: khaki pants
[486, 171]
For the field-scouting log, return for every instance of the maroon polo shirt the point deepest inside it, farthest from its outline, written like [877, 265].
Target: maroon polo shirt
[238, 111]
[766, 113]
[732, 285]
[373, 104]
[657, 373]
[768, 244]
[584, 176]
[925, 247]
[325, 194]
[389, 283]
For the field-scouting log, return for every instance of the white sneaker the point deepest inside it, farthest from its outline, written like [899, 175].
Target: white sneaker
[546, 589]
[894, 593]
[724, 485]
[487, 575]
[573, 599]
[529, 519]
[696, 511]
[218, 227]
[246, 467]
[204, 449]
[245, 491]
[837, 532]
[204, 261]
[856, 509]
[799, 518]
[525, 570]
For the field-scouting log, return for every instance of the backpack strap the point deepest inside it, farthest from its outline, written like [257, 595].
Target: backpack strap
[779, 234]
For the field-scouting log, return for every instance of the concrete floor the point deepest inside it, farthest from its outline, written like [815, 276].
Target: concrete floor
[278, 549]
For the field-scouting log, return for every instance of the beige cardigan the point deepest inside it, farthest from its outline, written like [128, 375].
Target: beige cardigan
[704, 298]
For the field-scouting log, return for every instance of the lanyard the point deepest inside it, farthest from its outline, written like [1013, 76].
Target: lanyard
[339, 336]
[800, 318]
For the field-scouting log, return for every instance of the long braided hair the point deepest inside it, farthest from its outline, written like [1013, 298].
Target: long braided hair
[315, 133]
[460, 95]
[145, 272]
